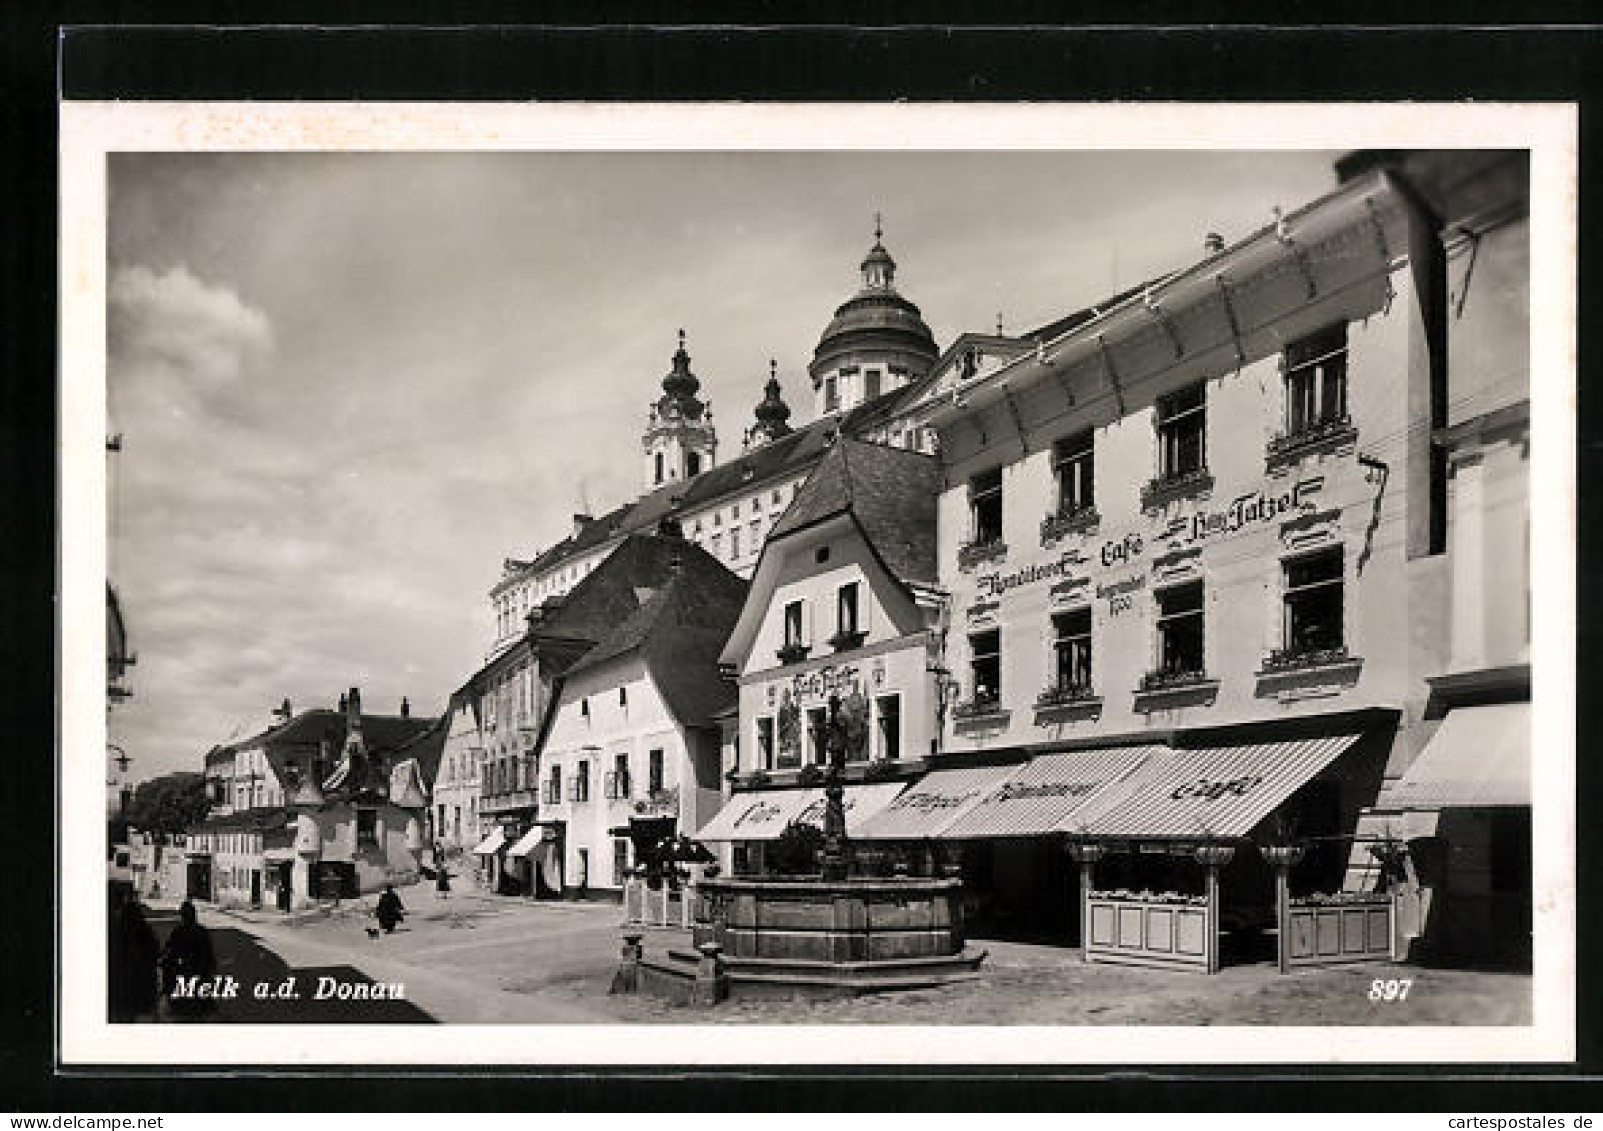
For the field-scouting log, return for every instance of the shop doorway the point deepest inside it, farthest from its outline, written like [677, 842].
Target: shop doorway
[255, 887]
[199, 881]
[1021, 889]
[286, 879]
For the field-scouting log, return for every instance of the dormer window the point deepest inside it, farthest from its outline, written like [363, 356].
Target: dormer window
[871, 382]
[693, 464]
[831, 394]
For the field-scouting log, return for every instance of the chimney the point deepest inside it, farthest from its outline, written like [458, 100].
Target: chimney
[1213, 243]
[406, 708]
[353, 708]
[580, 521]
[342, 705]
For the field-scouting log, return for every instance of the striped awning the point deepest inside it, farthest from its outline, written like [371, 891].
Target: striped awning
[934, 803]
[763, 816]
[1048, 791]
[527, 842]
[491, 844]
[1211, 793]
[1478, 757]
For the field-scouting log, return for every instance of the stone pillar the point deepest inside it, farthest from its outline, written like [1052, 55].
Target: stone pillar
[712, 981]
[627, 979]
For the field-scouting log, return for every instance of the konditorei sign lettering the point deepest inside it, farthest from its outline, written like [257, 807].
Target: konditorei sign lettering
[1200, 525]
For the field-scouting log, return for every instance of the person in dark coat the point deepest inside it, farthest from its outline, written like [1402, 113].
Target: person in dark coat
[131, 982]
[188, 953]
[389, 911]
[442, 881]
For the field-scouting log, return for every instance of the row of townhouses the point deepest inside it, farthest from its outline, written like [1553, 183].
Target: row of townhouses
[1234, 561]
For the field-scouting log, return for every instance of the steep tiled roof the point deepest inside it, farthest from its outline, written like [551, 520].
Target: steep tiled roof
[380, 732]
[890, 491]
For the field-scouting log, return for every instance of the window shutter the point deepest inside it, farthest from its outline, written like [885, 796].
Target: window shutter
[865, 602]
[807, 621]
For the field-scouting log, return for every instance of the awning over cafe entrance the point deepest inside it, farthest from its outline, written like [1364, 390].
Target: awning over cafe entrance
[491, 844]
[934, 803]
[1212, 793]
[764, 815]
[528, 842]
[1478, 757]
[1040, 796]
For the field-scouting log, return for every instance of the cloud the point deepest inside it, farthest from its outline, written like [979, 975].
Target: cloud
[173, 322]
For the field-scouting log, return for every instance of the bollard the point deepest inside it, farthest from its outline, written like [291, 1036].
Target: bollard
[627, 979]
[712, 981]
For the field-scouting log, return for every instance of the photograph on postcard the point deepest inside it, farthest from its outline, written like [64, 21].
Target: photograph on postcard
[1102, 598]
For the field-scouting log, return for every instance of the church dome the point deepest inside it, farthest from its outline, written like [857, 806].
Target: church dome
[679, 388]
[876, 318]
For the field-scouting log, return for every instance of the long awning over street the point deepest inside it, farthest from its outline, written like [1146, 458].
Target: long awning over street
[934, 803]
[764, 815]
[1049, 790]
[1212, 793]
[491, 844]
[1479, 756]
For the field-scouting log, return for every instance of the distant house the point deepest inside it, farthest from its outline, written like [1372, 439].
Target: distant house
[335, 804]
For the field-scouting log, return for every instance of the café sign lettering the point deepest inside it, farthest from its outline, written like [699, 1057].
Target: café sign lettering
[823, 682]
[1207, 789]
[1202, 524]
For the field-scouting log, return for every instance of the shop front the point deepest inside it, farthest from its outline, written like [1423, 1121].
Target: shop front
[1462, 814]
[534, 863]
[1216, 855]
[751, 822]
[489, 853]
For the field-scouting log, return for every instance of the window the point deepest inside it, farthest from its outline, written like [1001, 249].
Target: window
[734, 511]
[367, 828]
[765, 743]
[985, 665]
[793, 624]
[579, 788]
[1071, 646]
[1180, 630]
[831, 394]
[985, 507]
[1073, 465]
[693, 464]
[1182, 422]
[584, 709]
[619, 788]
[777, 496]
[1316, 380]
[620, 860]
[846, 609]
[553, 785]
[734, 542]
[888, 714]
[654, 771]
[1313, 603]
[717, 545]
[623, 698]
[456, 822]
[870, 384]
[817, 742]
[658, 478]
[756, 535]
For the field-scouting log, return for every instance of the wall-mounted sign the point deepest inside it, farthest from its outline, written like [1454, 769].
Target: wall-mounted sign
[1185, 530]
[1207, 789]
[1120, 594]
[821, 683]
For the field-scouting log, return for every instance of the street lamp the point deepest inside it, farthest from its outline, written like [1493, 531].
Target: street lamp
[122, 761]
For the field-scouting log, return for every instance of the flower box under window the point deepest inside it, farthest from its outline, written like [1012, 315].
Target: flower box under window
[1063, 695]
[1318, 436]
[971, 554]
[1288, 659]
[1165, 489]
[1073, 520]
[792, 653]
[978, 707]
[846, 641]
[1168, 680]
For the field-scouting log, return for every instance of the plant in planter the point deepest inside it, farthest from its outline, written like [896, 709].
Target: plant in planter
[795, 852]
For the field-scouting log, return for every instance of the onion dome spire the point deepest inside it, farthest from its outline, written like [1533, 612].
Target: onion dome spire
[879, 269]
[772, 412]
[679, 387]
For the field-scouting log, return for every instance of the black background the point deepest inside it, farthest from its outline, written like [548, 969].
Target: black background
[647, 52]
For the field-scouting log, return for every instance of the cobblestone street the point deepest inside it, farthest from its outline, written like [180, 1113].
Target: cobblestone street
[478, 958]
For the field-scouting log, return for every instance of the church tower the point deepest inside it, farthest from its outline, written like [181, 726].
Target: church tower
[772, 413]
[680, 441]
[876, 342]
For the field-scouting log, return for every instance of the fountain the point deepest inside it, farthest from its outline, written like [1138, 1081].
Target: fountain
[833, 935]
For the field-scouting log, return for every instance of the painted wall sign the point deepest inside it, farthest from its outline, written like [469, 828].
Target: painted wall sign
[823, 682]
[1120, 594]
[1200, 525]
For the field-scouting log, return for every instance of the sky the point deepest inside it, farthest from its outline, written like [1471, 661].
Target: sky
[350, 385]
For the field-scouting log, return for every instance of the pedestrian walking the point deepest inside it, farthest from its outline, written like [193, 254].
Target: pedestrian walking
[188, 954]
[442, 882]
[389, 911]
